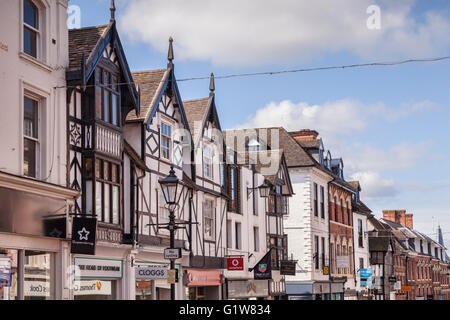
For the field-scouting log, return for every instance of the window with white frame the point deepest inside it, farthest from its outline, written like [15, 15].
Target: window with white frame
[166, 140]
[208, 218]
[31, 28]
[256, 238]
[163, 212]
[31, 143]
[207, 162]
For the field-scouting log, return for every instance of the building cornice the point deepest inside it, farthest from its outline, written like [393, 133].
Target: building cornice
[38, 187]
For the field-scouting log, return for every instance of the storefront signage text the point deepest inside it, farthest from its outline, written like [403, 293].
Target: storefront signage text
[151, 272]
[235, 264]
[98, 268]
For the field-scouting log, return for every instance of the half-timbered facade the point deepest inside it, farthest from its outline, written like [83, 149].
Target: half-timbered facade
[160, 135]
[251, 149]
[101, 165]
[209, 206]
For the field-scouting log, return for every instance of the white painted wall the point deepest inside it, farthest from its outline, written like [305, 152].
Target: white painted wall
[20, 72]
[248, 221]
[301, 225]
[360, 252]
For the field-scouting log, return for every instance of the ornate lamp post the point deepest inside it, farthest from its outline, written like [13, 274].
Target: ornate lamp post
[169, 187]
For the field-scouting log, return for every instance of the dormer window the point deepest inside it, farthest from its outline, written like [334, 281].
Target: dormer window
[31, 33]
[253, 145]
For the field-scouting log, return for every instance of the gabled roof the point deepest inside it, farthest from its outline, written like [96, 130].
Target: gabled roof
[268, 170]
[83, 41]
[361, 208]
[295, 155]
[151, 84]
[91, 42]
[310, 144]
[196, 112]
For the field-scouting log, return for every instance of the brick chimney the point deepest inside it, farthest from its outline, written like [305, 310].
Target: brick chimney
[304, 135]
[409, 220]
[399, 216]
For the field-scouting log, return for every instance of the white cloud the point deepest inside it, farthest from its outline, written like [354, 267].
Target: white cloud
[374, 186]
[332, 118]
[403, 110]
[255, 32]
[400, 156]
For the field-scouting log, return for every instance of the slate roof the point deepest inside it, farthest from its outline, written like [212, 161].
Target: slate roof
[310, 144]
[150, 83]
[360, 208]
[196, 110]
[295, 155]
[269, 170]
[83, 41]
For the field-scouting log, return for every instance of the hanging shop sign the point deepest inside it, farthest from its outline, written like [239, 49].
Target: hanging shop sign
[326, 271]
[235, 264]
[398, 285]
[172, 253]
[83, 235]
[263, 269]
[172, 276]
[55, 228]
[406, 289]
[202, 278]
[287, 268]
[238, 289]
[365, 282]
[365, 273]
[151, 272]
[92, 287]
[98, 268]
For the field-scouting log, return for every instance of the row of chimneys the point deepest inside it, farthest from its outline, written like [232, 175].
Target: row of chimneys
[399, 216]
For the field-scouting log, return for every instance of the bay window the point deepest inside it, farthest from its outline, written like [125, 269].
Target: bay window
[107, 95]
[107, 193]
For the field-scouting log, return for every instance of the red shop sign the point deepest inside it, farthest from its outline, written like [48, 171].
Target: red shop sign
[201, 278]
[235, 264]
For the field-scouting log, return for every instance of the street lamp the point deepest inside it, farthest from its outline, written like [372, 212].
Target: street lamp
[264, 190]
[169, 187]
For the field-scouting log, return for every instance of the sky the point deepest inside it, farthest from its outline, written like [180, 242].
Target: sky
[389, 124]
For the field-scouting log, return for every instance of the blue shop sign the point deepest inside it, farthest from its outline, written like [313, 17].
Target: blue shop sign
[365, 273]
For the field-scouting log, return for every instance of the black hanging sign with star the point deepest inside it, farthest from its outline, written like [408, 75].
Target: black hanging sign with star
[84, 235]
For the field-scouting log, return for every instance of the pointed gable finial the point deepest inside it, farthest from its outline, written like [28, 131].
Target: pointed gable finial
[113, 11]
[212, 85]
[170, 53]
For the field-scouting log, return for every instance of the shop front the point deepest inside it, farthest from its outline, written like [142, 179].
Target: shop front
[97, 278]
[247, 289]
[203, 284]
[151, 280]
[33, 238]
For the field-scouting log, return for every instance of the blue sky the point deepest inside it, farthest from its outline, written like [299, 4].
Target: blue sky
[390, 124]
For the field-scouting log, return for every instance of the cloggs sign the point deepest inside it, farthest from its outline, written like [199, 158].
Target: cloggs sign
[151, 272]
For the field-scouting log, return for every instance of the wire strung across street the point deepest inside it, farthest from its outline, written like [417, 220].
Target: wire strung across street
[270, 73]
